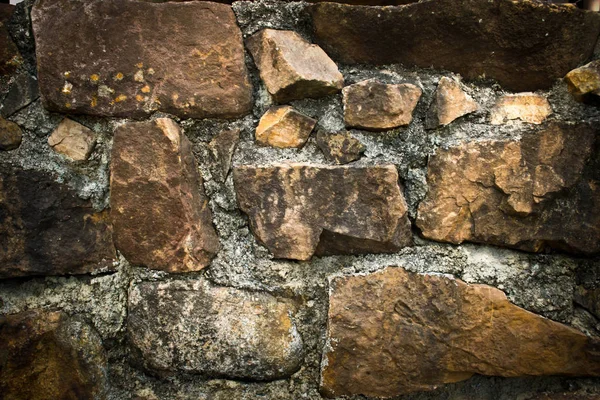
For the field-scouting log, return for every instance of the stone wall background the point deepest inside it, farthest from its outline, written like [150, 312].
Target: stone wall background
[541, 283]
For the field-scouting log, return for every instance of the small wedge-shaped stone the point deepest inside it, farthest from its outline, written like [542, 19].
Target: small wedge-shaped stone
[291, 67]
[584, 80]
[449, 103]
[73, 140]
[195, 327]
[284, 127]
[221, 148]
[513, 193]
[159, 211]
[301, 210]
[183, 58]
[373, 105]
[340, 147]
[528, 107]
[394, 332]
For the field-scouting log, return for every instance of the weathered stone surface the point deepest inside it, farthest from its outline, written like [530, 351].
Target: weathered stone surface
[340, 147]
[185, 58]
[449, 103]
[284, 127]
[10, 57]
[159, 210]
[584, 82]
[21, 92]
[301, 210]
[538, 193]
[522, 44]
[195, 327]
[373, 105]
[221, 148]
[589, 298]
[565, 396]
[291, 67]
[528, 107]
[48, 355]
[73, 140]
[10, 135]
[45, 229]
[393, 332]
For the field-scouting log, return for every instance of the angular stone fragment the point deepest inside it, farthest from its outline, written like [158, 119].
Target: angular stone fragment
[584, 81]
[46, 229]
[222, 147]
[73, 140]
[10, 58]
[291, 67]
[340, 147]
[538, 193]
[588, 298]
[284, 127]
[195, 327]
[21, 92]
[301, 210]
[528, 107]
[449, 103]
[394, 332]
[159, 210]
[183, 58]
[10, 135]
[373, 105]
[521, 44]
[48, 355]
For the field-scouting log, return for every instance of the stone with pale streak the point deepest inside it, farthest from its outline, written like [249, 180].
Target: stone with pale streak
[291, 67]
[301, 210]
[159, 211]
[283, 127]
[450, 102]
[221, 148]
[73, 140]
[528, 107]
[394, 332]
[373, 105]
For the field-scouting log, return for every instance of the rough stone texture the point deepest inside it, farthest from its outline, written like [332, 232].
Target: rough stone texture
[291, 67]
[159, 211]
[186, 58]
[195, 327]
[537, 193]
[528, 107]
[22, 91]
[340, 147]
[283, 127]
[449, 103]
[222, 147]
[589, 298]
[394, 332]
[47, 355]
[10, 135]
[307, 210]
[374, 105]
[10, 58]
[73, 140]
[523, 45]
[585, 79]
[45, 229]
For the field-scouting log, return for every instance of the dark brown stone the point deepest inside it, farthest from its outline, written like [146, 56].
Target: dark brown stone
[524, 45]
[10, 58]
[340, 147]
[394, 332]
[221, 148]
[159, 211]
[301, 210]
[186, 58]
[45, 229]
[10, 135]
[588, 298]
[48, 355]
[538, 193]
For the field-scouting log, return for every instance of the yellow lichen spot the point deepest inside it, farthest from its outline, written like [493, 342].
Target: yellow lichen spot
[146, 89]
[120, 98]
[67, 74]
[68, 105]
[94, 78]
[140, 65]
[175, 96]
[150, 71]
[67, 88]
[94, 101]
[139, 76]
[118, 76]
[139, 97]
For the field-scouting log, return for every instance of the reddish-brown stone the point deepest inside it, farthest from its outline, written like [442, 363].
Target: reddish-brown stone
[394, 332]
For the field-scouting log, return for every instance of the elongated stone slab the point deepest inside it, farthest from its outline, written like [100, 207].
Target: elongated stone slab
[301, 210]
[394, 332]
[130, 58]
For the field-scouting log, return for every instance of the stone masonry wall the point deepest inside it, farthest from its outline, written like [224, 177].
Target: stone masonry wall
[291, 200]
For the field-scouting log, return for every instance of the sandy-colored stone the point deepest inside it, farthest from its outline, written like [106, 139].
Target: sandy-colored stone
[340, 147]
[537, 193]
[584, 82]
[183, 58]
[528, 107]
[522, 44]
[10, 135]
[48, 355]
[301, 210]
[159, 210]
[73, 140]
[394, 332]
[10, 58]
[195, 327]
[291, 67]
[221, 148]
[450, 102]
[373, 105]
[283, 127]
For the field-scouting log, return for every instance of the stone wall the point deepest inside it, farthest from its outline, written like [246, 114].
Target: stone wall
[290, 200]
